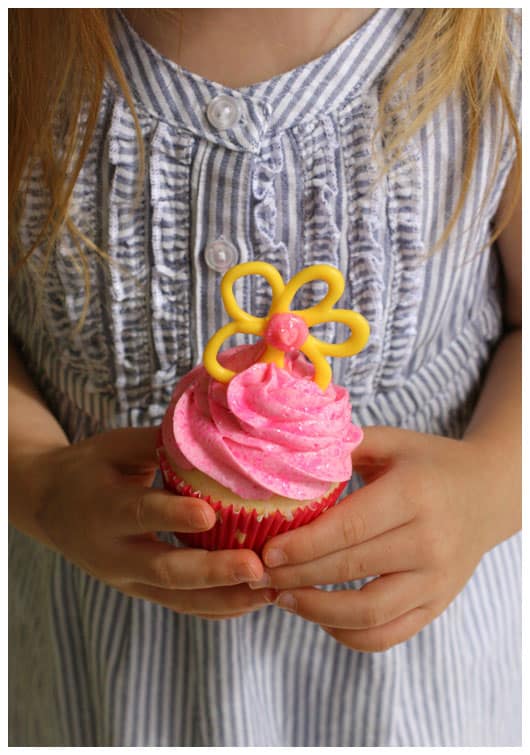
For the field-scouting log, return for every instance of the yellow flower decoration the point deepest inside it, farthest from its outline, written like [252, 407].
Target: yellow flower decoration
[284, 329]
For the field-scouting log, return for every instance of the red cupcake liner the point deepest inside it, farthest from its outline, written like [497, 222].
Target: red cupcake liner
[241, 528]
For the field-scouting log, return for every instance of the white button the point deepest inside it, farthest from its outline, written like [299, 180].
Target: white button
[220, 255]
[223, 112]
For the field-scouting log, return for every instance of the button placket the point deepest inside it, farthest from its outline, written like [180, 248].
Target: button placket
[220, 255]
[210, 226]
[235, 122]
[223, 112]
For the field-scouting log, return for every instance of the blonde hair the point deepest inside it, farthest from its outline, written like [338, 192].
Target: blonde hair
[58, 59]
[463, 49]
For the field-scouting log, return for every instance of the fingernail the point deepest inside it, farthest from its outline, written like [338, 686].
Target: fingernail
[287, 601]
[245, 574]
[275, 557]
[263, 582]
[270, 596]
[199, 520]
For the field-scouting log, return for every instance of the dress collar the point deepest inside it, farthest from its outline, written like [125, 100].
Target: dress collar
[175, 95]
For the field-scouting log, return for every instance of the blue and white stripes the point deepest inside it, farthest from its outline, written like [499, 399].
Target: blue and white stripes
[291, 183]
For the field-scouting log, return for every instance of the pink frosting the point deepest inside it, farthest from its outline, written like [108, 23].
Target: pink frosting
[268, 431]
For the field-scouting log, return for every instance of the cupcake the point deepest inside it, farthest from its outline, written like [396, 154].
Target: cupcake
[260, 432]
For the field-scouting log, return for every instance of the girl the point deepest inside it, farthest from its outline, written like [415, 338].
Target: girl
[145, 160]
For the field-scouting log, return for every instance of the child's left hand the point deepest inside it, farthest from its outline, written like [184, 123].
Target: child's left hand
[422, 522]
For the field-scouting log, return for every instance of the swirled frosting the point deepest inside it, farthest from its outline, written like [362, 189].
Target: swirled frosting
[268, 431]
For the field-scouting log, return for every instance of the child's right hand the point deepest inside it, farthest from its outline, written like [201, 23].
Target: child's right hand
[96, 508]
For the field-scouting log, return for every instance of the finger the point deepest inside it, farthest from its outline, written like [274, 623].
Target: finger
[375, 604]
[144, 510]
[214, 617]
[394, 551]
[382, 638]
[162, 565]
[215, 602]
[129, 447]
[381, 445]
[361, 516]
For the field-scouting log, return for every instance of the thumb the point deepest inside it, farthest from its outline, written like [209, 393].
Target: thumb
[130, 448]
[379, 448]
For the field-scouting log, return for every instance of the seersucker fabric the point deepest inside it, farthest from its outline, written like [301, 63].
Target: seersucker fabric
[292, 182]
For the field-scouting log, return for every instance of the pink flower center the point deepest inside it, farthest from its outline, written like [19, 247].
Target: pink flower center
[286, 331]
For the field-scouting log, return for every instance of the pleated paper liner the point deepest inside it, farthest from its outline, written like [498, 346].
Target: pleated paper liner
[242, 528]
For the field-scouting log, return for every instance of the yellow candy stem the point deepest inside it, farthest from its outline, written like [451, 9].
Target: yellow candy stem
[322, 375]
[274, 356]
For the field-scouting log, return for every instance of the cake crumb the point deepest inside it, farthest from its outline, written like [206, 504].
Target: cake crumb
[240, 536]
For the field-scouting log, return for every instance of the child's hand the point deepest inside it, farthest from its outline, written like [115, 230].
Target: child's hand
[96, 509]
[423, 521]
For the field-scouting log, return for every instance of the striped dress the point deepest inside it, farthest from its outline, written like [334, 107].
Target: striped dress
[280, 171]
